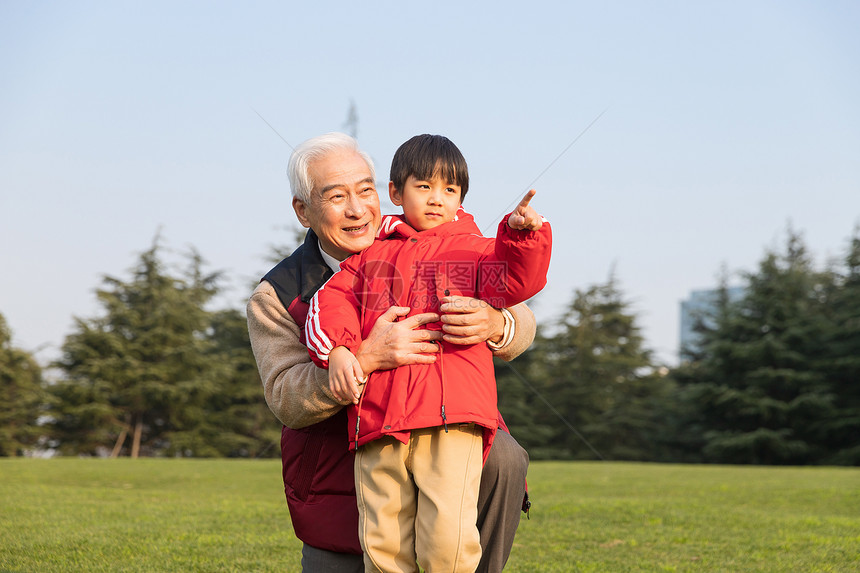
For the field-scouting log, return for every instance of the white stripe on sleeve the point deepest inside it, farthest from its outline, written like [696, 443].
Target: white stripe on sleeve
[316, 338]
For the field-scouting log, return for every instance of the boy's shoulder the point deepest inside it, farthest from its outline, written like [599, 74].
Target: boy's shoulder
[392, 226]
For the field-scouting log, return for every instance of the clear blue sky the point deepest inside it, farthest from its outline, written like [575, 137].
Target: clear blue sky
[724, 123]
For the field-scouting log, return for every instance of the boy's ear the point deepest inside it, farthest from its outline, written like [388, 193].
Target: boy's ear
[395, 195]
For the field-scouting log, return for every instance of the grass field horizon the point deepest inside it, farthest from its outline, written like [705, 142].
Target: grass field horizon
[70, 514]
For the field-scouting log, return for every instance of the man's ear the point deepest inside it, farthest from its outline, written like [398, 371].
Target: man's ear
[395, 195]
[300, 208]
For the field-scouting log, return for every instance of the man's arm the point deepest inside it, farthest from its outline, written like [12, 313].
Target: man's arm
[470, 321]
[296, 390]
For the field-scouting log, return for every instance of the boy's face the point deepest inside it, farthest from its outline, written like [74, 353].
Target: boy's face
[426, 203]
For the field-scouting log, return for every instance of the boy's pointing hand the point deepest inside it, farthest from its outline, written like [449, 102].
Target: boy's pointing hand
[524, 217]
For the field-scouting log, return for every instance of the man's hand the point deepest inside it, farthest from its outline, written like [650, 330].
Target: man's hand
[392, 343]
[345, 377]
[470, 321]
[524, 216]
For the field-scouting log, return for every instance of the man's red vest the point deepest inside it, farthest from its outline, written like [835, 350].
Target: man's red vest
[317, 463]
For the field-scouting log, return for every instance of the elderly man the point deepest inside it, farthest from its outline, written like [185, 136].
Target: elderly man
[334, 196]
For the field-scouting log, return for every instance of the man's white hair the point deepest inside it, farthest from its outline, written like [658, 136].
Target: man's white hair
[315, 148]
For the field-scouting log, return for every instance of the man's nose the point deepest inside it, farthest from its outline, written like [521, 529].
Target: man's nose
[356, 206]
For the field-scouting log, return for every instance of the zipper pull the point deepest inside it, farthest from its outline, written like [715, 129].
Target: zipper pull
[357, 422]
[444, 419]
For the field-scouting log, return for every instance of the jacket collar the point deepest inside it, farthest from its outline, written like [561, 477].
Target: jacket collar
[315, 271]
[395, 226]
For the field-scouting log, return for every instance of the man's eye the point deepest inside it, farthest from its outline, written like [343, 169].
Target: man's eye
[367, 190]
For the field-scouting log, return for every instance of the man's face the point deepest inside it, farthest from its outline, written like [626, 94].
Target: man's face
[344, 206]
[427, 204]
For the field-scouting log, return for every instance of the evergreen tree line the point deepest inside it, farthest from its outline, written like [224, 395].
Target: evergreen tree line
[156, 374]
[774, 377]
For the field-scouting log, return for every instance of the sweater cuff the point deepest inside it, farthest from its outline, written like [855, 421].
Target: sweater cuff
[509, 331]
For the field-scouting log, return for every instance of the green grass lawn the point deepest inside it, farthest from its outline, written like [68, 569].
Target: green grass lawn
[649, 517]
[227, 515]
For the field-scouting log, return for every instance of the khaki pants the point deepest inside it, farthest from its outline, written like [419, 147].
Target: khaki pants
[417, 502]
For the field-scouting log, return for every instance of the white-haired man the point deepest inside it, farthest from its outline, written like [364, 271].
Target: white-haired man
[334, 196]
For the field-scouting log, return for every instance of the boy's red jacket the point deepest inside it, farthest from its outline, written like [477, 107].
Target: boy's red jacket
[417, 269]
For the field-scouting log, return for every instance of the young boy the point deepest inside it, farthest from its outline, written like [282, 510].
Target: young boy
[419, 431]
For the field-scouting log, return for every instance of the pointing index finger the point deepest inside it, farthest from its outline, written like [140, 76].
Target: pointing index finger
[525, 202]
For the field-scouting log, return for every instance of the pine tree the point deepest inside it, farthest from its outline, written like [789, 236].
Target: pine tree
[594, 370]
[840, 361]
[140, 370]
[237, 421]
[754, 385]
[21, 396]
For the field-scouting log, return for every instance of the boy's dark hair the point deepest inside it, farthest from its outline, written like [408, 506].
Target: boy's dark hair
[427, 156]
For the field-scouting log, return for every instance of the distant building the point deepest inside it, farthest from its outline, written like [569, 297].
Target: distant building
[699, 305]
